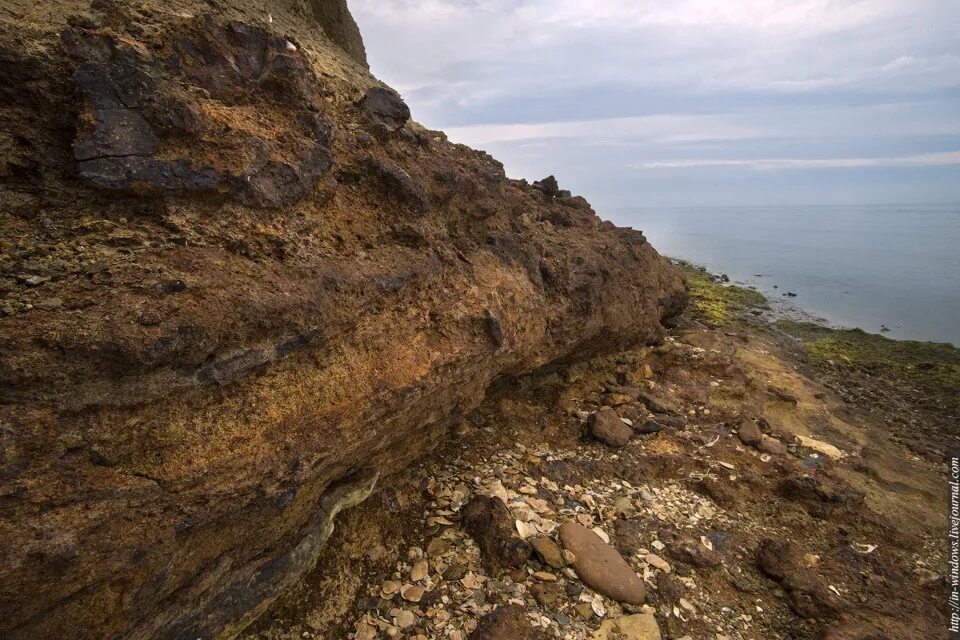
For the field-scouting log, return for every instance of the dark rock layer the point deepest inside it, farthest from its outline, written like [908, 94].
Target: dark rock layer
[232, 296]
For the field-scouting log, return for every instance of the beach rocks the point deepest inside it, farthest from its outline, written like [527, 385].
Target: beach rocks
[771, 445]
[636, 627]
[549, 552]
[489, 523]
[508, 622]
[749, 433]
[607, 427]
[385, 107]
[600, 566]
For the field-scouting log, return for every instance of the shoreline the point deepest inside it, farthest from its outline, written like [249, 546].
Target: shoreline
[916, 384]
[789, 309]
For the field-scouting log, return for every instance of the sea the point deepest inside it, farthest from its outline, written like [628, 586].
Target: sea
[890, 269]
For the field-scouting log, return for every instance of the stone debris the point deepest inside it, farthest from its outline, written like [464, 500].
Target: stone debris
[607, 427]
[525, 541]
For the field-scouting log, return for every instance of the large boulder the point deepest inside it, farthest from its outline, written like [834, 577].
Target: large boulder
[227, 310]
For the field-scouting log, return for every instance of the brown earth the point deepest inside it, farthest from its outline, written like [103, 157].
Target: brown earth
[839, 538]
[238, 287]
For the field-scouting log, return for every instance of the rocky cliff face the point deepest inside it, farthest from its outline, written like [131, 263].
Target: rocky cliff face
[239, 286]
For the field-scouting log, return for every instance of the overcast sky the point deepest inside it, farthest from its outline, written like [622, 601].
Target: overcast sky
[689, 102]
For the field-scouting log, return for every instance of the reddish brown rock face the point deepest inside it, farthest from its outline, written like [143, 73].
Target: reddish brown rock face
[265, 302]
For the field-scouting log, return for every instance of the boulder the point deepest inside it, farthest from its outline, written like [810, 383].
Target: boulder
[607, 427]
[384, 106]
[750, 433]
[489, 523]
[600, 566]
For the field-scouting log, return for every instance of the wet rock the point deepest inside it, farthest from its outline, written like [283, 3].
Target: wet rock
[750, 433]
[490, 524]
[506, 622]
[385, 107]
[642, 626]
[600, 566]
[607, 427]
[549, 552]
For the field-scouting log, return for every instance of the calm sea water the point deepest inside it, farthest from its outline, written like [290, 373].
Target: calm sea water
[856, 266]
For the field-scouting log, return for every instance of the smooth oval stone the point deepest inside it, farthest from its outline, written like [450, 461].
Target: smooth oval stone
[601, 566]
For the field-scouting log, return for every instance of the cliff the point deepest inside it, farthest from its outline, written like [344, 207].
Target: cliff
[238, 286]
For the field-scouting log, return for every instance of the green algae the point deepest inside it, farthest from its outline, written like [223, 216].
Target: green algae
[717, 303]
[931, 365]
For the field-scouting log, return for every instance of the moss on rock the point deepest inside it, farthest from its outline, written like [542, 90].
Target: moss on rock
[715, 302]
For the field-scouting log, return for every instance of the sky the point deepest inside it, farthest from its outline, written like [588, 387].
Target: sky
[689, 102]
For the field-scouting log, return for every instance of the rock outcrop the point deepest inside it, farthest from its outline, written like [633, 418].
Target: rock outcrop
[238, 286]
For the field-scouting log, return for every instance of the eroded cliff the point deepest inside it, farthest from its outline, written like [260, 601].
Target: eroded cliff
[238, 286]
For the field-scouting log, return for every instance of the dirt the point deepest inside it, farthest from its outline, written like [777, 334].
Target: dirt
[803, 546]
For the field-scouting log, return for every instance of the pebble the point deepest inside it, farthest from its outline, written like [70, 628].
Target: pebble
[411, 593]
[389, 587]
[419, 571]
[549, 552]
[657, 562]
[403, 618]
[437, 547]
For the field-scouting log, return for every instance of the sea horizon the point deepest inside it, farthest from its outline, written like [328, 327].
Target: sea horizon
[888, 269]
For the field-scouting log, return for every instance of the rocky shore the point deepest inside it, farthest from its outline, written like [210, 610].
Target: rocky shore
[242, 291]
[725, 485]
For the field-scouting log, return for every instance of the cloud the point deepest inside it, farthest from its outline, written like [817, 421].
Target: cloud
[605, 87]
[947, 158]
[659, 127]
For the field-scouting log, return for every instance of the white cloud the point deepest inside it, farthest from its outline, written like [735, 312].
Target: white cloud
[947, 158]
[676, 128]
